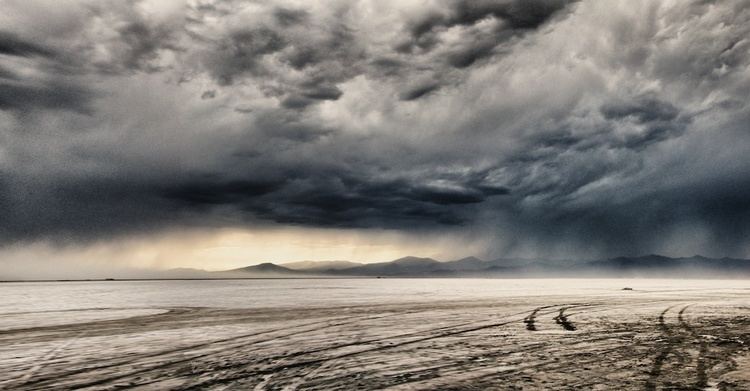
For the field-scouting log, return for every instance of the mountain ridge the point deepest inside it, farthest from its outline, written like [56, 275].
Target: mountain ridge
[411, 266]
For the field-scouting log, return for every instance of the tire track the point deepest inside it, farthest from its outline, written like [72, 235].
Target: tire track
[563, 321]
[549, 364]
[309, 362]
[374, 349]
[178, 311]
[98, 324]
[530, 320]
[566, 345]
[503, 358]
[173, 363]
[658, 364]
[672, 340]
[165, 365]
[56, 377]
[439, 364]
[272, 358]
[46, 359]
[701, 377]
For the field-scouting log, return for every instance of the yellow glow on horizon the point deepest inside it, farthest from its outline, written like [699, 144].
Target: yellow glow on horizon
[238, 247]
[228, 248]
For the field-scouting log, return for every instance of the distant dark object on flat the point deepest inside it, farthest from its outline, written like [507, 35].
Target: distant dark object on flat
[627, 289]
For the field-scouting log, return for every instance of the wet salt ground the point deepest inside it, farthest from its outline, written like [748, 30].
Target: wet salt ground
[374, 334]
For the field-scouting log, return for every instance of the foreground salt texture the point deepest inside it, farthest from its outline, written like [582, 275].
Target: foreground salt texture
[680, 335]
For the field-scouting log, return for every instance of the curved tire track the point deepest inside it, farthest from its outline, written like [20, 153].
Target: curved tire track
[701, 377]
[309, 362]
[326, 324]
[563, 321]
[675, 340]
[664, 352]
[373, 349]
[561, 318]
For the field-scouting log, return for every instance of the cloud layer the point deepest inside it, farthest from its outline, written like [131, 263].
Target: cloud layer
[549, 128]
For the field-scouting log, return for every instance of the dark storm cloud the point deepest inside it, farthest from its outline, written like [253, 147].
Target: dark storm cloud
[420, 91]
[512, 17]
[656, 120]
[516, 14]
[22, 96]
[641, 109]
[24, 93]
[14, 46]
[310, 96]
[142, 42]
[326, 51]
[544, 126]
[242, 52]
[646, 222]
[77, 209]
[289, 17]
[50, 73]
[322, 92]
[6, 74]
[207, 192]
[336, 197]
[134, 42]
[281, 42]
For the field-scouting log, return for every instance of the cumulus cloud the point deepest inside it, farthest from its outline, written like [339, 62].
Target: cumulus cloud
[547, 127]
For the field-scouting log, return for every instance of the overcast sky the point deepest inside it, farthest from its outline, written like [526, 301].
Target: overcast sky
[502, 128]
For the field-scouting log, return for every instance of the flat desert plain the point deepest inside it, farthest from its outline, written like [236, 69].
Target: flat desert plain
[400, 334]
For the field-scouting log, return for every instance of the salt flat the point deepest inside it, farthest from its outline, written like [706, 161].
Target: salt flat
[399, 334]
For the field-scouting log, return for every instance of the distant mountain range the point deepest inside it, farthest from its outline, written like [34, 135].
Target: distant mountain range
[649, 266]
[642, 266]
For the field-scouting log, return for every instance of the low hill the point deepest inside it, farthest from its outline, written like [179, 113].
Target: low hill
[407, 266]
[265, 269]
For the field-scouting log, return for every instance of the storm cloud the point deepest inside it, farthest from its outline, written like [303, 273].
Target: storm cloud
[547, 127]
